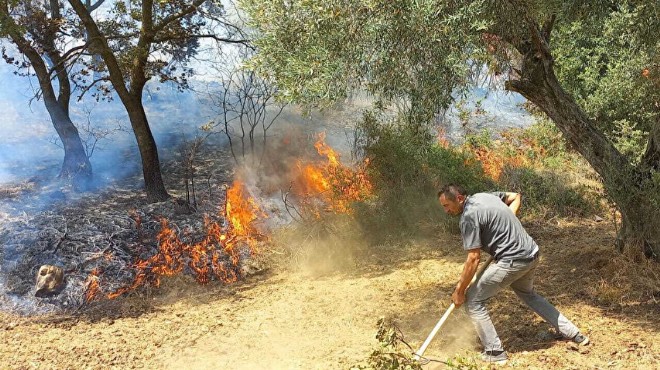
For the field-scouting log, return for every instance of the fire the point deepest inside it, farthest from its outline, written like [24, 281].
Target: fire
[443, 140]
[323, 185]
[326, 151]
[515, 150]
[329, 185]
[92, 285]
[217, 255]
[491, 162]
[241, 210]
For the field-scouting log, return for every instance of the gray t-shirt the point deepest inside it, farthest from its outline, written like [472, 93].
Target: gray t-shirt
[488, 223]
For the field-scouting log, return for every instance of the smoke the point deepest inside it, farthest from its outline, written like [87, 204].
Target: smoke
[310, 237]
[30, 149]
[30, 160]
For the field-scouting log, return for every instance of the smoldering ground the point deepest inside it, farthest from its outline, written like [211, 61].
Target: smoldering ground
[44, 221]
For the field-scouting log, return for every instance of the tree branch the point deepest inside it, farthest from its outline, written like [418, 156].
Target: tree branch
[147, 19]
[651, 157]
[244, 42]
[97, 39]
[68, 53]
[92, 7]
[29, 51]
[167, 20]
[539, 41]
[547, 28]
[88, 87]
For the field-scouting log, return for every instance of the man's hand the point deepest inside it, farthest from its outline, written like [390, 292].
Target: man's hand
[458, 298]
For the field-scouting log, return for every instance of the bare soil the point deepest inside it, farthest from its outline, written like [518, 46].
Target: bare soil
[299, 318]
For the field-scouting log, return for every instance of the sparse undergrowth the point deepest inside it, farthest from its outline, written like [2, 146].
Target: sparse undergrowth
[392, 352]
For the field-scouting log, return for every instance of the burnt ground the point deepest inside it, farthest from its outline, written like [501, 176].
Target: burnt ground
[45, 222]
[302, 313]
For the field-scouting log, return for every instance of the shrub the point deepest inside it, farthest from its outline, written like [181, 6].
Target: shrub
[407, 167]
[392, 352]
[535, 162]
[546, 193]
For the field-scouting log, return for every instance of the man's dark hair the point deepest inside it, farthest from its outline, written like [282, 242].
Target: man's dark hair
[451, 191]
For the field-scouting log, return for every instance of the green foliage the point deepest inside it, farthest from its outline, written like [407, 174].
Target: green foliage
[418, 52]
[605, 65]
[407, 168]
[320, 51]
[390, 354]
[542, 135]
[547, 194]
[542, 146]
[650, 191]
[629, 140]
[166, 51]
[551, 181]
[536, 163]
[393, 353]
[463, 363]
[482, 138]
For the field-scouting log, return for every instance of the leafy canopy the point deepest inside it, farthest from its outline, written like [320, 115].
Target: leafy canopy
[421, 50]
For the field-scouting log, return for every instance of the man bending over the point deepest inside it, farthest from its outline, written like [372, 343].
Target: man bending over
[488, 222]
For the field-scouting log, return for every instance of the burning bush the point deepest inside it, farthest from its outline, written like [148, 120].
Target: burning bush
[535, 162]
[217, 255]
[328, 185]
[320, 185]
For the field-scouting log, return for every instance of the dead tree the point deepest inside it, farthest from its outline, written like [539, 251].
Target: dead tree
[247, 110]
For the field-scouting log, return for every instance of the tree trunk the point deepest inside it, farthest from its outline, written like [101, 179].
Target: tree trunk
[624, 183]
[153, 181]
[131, 99]
[76, 165]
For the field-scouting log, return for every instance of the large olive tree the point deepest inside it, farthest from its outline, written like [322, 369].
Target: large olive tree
[421, 50]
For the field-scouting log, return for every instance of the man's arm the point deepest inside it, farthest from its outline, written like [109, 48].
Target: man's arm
[469, 269]
[513, 201]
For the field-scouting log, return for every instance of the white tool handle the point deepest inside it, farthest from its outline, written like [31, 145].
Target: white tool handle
[444, 317]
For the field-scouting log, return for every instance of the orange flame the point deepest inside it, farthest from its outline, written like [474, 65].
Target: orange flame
[241, 211]
[326, 151]
[322, 185]
[217, 255]
[515, 150]
[330, 186]
[92, 284]
[443, 140]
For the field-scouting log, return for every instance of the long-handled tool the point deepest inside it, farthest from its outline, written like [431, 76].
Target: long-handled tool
[477, 276]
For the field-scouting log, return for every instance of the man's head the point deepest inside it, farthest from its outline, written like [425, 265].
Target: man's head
[452, 198]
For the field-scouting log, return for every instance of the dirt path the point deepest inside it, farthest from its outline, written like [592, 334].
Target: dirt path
[295, 320]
